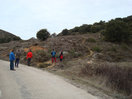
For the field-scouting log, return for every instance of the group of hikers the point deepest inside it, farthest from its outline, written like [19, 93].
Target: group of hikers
[53, 53]
[15, 57]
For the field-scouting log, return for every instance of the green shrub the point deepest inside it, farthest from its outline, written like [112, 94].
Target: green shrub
[116, 31]
[16, 38]
[84, 29]
[114, 49]
[102, 32]
[65, 32]
[75, 29]
[96, 49]
[91, 40]
[125, 46]
[75, 54]
[43, 34]
[41, 56]
[95, 28]
[8, 39]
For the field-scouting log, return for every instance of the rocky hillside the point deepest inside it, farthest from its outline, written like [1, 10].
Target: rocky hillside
[6, 37]
[88, 59]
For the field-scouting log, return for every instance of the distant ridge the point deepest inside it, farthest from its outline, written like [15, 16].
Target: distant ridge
[6, 37]
[96, 27]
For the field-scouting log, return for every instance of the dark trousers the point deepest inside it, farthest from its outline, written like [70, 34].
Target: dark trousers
[11, 65]
[29, 61]
[60, 59]
[17, 62]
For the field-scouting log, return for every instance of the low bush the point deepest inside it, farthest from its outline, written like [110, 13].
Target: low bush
[120, 78]
[65, 32]
[113, 49]
[43, 65]
[91, 40]
[117, 31]
[41, 56]
[75, 54]
[96, 49]
[8, 39]
[124, 46]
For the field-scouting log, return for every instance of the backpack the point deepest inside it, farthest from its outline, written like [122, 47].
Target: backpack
[61, 56]
[53, 53]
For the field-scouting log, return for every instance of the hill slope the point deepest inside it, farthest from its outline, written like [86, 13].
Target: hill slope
[88, 61]
[6, 37]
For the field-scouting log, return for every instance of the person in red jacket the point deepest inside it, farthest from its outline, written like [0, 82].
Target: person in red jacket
[29, 57]
[61, 56]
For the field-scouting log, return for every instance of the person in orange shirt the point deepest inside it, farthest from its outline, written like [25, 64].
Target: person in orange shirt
[29, 57]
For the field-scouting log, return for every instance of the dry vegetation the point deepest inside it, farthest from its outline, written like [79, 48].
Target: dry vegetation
[118, 77]
[78, 60]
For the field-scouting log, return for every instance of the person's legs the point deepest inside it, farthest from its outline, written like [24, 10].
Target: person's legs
[60, 59]
[17, 62]
[11, 65]
[29, 61]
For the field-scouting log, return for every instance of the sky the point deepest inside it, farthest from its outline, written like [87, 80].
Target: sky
[25, 18]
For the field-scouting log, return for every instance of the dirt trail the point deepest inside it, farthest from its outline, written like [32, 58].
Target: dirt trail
[90, 51]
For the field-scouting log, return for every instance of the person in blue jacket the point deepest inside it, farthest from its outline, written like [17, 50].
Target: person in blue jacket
[53, 53]
[12, 59]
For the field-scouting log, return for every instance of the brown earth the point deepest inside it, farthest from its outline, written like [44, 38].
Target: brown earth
[79, 51]
[35, 48]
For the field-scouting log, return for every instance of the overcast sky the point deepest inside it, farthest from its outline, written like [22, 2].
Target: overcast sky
[25, 17]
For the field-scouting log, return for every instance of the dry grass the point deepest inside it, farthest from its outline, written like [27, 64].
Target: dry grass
[43, 65]
[41, 56]
[118, 78]
[35, 48]
[92, 40]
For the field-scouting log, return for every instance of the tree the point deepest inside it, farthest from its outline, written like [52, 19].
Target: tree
[75, 29]
[43, 34]
[53, 35]
[116, 31]
[65, 32]
[95, 28]
[16, 38]
[85, 28]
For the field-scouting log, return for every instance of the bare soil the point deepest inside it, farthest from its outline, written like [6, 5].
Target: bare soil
[79, 50]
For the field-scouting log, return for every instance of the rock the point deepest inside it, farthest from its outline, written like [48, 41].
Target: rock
[65, 52]
[97, 55]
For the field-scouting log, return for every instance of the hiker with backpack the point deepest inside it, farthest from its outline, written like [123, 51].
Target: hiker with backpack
[53, 53]
[12, 58]
[29, 57]
[61, 56]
